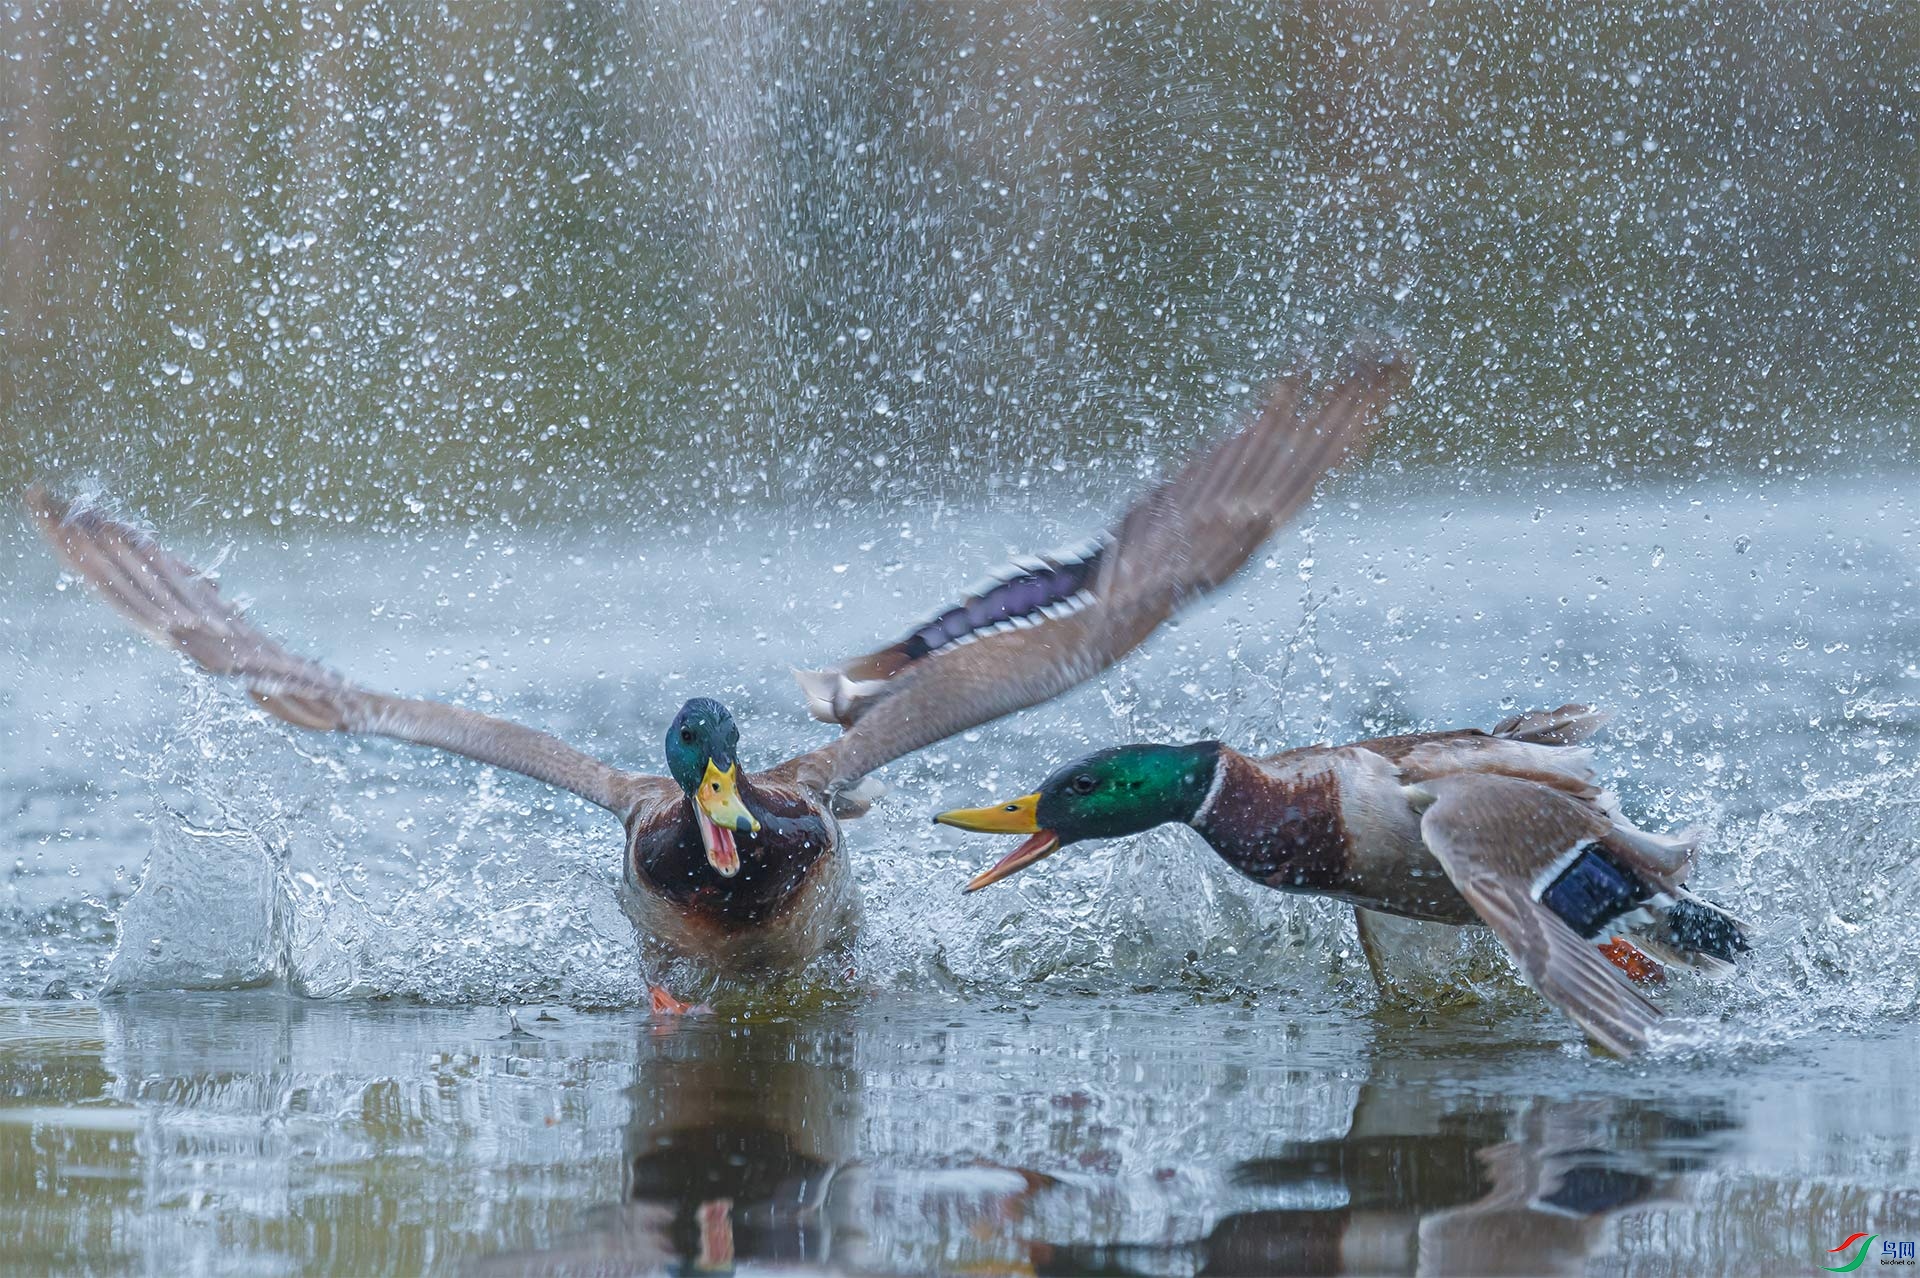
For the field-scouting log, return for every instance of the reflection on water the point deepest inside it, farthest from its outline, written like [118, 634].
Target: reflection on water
[1525, 1189]
[737, 1162]
[750, 1145]
[255, 1133]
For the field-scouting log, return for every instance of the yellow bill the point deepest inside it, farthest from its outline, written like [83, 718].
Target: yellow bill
[1015, 817]
[721, 814]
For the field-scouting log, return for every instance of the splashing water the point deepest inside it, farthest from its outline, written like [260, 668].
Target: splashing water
[352, 870]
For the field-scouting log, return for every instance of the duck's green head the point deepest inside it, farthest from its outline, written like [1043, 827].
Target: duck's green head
[703, 749]
[1104, 796]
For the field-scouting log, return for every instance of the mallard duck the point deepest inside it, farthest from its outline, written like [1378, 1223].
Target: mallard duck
[1506, 829]
[743, 870]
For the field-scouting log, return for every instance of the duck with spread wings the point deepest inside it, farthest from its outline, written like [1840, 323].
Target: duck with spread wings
[745, 870]
[1507, 829]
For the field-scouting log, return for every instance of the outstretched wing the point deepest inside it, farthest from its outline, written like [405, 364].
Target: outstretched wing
[1499, 838]
[182, 609]
[1054, 622]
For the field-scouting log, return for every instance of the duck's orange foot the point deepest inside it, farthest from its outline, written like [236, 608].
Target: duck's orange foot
[1638, 967]
[665, 1004]
[716, 1234]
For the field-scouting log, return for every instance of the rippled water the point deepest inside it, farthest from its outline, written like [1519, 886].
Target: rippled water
[256, 1133]
[1126, 1061]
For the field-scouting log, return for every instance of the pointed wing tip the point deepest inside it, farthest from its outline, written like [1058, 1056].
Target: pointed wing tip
[48, 509]
[1378, 357]
[1566, 725]
[66, 524]
[64, 520]
[1597, 716]
[1376, 360]
[1615, 1017]
[1349, 407]
[834, 696]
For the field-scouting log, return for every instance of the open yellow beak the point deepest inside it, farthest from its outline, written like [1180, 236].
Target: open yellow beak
[1016, 817]
[722, 814]
[720, 800]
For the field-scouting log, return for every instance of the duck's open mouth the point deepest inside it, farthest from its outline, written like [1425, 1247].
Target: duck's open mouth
[1016, 817]
[723, 854]
[719, 812]
[1042, 845]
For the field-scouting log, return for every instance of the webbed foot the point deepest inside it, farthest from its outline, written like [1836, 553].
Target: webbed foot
[665, 1004]
[1639, 968]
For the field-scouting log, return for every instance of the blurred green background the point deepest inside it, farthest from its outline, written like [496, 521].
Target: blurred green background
[416, 264]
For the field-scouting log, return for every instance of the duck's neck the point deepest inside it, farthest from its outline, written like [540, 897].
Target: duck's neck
[1214, 760]
[1285, 831]
[1171, 783]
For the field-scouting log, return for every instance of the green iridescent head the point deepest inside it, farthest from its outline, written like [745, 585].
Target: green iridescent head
[1107, 795]
[703, 751]
[703, 732]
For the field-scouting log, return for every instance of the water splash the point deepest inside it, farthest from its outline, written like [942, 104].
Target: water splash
[352, 870]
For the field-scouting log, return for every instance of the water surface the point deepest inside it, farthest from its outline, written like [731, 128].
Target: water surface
[1131, 1135]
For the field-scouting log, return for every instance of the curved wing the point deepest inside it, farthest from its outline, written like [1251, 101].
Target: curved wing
[178, 607]
[1496, 837]
[1050, 624]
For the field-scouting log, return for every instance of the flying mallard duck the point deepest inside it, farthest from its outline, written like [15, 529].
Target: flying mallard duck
[743, 870]
[1506, 829]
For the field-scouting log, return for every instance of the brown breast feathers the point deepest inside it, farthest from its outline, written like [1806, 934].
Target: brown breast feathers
[1283, 829]
[668, 857]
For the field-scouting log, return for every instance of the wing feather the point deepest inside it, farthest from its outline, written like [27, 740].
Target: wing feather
[182, 609]
[1039, 632]
[1493, 835]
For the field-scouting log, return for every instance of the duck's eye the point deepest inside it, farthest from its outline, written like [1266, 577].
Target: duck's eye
[1084, 784]
[686, 735]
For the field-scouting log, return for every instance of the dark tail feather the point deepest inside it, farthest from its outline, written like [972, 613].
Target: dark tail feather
[1695, 927]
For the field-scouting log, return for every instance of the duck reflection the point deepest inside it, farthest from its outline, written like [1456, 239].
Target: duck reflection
[739, 1155]
[796, 1146]
[735, 1144]
[736, 1138]
[1482, 1191]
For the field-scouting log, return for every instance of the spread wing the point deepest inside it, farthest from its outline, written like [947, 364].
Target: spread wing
[1057, 621]
[1496, 837]
[180, 608]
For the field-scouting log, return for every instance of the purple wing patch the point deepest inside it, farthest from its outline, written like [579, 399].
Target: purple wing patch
[1020, 594]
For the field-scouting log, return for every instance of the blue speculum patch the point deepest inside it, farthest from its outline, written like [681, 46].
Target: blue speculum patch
[1022, 594]
[1593, 891]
